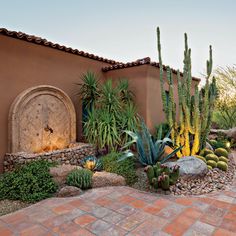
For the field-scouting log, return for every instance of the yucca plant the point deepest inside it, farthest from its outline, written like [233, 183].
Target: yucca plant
[150, 151]
[89, 89]
[128, 121]
[126, 95]
[109, 100]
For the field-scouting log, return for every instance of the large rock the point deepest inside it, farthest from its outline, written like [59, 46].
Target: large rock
[69, 191]
[190, 167]
[103, 179]
[60, 173]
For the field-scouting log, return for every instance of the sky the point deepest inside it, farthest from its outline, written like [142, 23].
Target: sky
[125, 30]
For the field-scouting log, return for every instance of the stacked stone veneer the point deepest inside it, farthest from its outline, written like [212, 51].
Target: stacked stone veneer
[72, 156]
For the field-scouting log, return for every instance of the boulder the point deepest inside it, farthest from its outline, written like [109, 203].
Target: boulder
[60, 173]
[69, 191]
[190, 167]
[103, 179]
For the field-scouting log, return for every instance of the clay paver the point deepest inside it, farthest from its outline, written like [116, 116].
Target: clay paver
[105, 211]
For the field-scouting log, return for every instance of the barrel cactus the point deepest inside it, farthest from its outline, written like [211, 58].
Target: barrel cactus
[212, 157]
[221, 152]
[81, 178]
[201, 158]
[224, 159]
[222, 165]
[212, 163]
[209, 167]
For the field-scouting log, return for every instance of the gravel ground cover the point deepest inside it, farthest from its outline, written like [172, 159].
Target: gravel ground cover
[214, 180]
[8, 206]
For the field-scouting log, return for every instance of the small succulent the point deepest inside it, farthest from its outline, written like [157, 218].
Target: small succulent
[92, 163]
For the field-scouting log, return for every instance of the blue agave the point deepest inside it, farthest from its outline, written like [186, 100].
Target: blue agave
[150, 151]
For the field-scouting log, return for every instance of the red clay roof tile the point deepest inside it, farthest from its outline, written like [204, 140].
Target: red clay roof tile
[45, 42]
[140, 62]
[114, 64]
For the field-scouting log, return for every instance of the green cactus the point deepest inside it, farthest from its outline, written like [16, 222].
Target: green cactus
[195, 111]
[207, 151]
[222, 165]
[155, 175]
[174, 174]
[212, 157]
[200, 157]
[155, 183]
[150, 173]
[224, 159]
[81, 178]
[164, 181]
[221, 152]
[209, 167]
[212, 163]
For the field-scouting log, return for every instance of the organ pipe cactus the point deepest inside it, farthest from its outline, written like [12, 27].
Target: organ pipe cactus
[192, 126]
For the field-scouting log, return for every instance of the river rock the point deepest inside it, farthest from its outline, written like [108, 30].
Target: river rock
[190, 167]
[103, 179]
[59, 173]
[69, 191]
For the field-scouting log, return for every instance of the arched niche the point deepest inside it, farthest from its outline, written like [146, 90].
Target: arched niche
[41, 118]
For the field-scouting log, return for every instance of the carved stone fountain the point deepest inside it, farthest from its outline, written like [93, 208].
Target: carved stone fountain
[42, 125]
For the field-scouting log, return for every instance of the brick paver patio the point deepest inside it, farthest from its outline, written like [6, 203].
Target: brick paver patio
[126, 211]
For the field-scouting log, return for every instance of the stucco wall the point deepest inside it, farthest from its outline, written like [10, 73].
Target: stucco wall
[137, 77]
[24, 65]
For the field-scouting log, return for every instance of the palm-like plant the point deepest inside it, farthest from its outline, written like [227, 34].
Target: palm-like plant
[149, 151]
[109, 99]
[126, 95]
[89, 89]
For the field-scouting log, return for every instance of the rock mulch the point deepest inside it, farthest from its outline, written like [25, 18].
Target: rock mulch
[215, 180]
[8, 206]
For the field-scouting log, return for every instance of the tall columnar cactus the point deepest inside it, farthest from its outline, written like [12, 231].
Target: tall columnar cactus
[191, 127]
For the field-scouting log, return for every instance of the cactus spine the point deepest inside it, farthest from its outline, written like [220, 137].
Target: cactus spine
[191, 127]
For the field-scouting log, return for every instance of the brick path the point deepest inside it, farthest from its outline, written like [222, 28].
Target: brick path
[126, 211]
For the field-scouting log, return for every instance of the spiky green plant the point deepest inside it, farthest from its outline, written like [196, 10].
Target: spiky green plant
[192, 126]
[89, 89]
[150, 151]
[112, 113]
[81, 178]
[126, 95]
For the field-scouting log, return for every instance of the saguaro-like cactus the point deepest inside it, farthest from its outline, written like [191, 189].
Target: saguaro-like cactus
[191, 127]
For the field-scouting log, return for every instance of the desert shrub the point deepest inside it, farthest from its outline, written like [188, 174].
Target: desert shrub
[81, 178]
[125, 168]
[31, 183]
[225, 112]
[111, 112]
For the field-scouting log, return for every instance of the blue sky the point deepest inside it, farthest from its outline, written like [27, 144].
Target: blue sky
[125, 30]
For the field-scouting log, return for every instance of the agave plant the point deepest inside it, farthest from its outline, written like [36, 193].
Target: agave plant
[92, 163]
[149, 151]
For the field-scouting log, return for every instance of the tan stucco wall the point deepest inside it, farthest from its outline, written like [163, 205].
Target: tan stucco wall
[24, 65]
[137, 77]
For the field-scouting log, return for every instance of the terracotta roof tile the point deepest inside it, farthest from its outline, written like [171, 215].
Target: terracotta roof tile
[45, 42]
[140, 62]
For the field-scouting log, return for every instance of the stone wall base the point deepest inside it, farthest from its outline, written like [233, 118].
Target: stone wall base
[72, 156]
